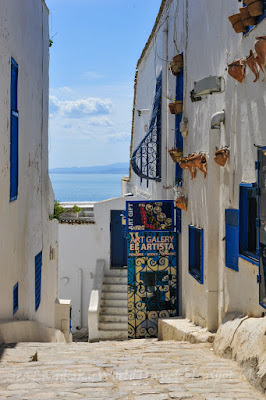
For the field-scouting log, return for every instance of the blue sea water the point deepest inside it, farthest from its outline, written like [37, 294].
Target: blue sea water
[86, 187]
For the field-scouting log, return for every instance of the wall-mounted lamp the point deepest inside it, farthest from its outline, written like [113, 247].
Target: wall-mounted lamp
[143, 111]
[206, 86]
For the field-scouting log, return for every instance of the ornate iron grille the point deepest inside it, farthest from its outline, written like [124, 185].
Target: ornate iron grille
[146, 159]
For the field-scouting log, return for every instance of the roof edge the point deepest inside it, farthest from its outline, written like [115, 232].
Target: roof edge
[45, 5]
[153, 32]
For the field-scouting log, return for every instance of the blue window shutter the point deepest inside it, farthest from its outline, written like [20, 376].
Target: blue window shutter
[14, 132]
[15, 298]
[38, 280]
[232, 238]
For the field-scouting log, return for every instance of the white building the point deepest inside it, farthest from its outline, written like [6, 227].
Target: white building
[218, 252]
[28, 239]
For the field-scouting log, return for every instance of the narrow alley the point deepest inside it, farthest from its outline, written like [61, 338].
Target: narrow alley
[133, 370]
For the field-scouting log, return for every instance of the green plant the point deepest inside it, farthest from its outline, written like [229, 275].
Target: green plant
[76, 209]
[58, 210]
[50, 43]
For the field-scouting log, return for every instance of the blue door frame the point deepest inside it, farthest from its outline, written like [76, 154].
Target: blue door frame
[261, 224]
[118, 240]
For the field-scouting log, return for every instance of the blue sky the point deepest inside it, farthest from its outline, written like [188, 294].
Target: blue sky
[92, 67]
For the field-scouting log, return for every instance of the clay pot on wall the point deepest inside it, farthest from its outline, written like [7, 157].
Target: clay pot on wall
[246, 17]
[221, 156]
[181, 203]
[176, 107]
[253, 65]
[176, 154]
[176, 64]
[260, 48]
[199, 161]
[183, 163]
[236, 21]
[255, 7]
[237, 70]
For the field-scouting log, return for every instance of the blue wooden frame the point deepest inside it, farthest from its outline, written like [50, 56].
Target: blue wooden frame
[243, 223]
[259, 18]
[231, 238]
[191, 254]
[14, 126]
[38, 280]
[15, 298]
[258, 212]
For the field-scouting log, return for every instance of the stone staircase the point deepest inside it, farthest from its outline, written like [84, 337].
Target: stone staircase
[113, 319]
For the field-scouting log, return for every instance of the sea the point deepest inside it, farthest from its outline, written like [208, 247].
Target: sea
[86, 187]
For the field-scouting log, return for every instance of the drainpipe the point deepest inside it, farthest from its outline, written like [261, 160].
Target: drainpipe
[232, 171]
[80, 299]
[165, 116]
[216, 120]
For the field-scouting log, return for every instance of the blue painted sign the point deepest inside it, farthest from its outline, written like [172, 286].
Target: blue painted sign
[150, 215]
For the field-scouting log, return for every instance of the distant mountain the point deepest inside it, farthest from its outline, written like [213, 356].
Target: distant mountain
[117, 168]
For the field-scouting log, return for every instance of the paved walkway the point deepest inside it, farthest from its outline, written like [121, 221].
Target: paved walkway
[132, 370]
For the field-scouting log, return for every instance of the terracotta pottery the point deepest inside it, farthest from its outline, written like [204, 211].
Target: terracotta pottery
[176, 64]
[236, 21]
[255, 7]
[260, 48]
[199, 161]
[183, 163]
[221, 156]
[237, 70]
[191, 166]
[181, 203]
[253, 65]
[176, 107]
[176, 154]
[246, 17]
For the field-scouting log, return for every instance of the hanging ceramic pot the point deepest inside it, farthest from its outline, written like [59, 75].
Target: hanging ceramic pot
[200, 162]
[221, 156]
[183, 163]
[260, 48]
[191, 166]
[237, 70]
[176, 154]
[176, 64]
[253, 65]
[181, 203]
[176, 107]
[246, 17]
[255, 7]
[236, 21]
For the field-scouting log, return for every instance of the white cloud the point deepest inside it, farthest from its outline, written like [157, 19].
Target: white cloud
[79, 108]
[92, 75]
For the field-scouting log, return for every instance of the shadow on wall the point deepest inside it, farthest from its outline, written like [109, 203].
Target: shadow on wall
[3, 347]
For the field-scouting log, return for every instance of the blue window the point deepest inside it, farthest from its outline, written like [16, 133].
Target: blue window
[258, 19]
[38, 280]
[248, 235]
[14, 132]
[15, 298]
[196, 255]
[231, 238]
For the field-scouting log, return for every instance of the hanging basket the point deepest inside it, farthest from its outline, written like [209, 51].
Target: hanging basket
[176, 154]
[221, 156]
[236, 21]
[176, 107]
[237, 70]
[181, 203]
[246, 17]
[255, 7]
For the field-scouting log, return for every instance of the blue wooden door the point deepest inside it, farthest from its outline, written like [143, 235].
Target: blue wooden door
[118, 240]
[262, 224]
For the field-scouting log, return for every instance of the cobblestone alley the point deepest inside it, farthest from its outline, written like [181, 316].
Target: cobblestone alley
[133, 370]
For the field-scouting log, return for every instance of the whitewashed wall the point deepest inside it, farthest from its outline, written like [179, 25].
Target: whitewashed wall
[25, 228]
[208, 42]
[79, 248]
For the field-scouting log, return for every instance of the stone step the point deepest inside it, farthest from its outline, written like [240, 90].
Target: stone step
[114, 296]
[113, 335]
[116, 272]
[113, 326]
[114, 288]
[114, 303]
[115, 280]
[114, 311]
[113, 318]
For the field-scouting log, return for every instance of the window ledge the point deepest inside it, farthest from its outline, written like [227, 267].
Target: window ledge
[249, 259]
[200, 280]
